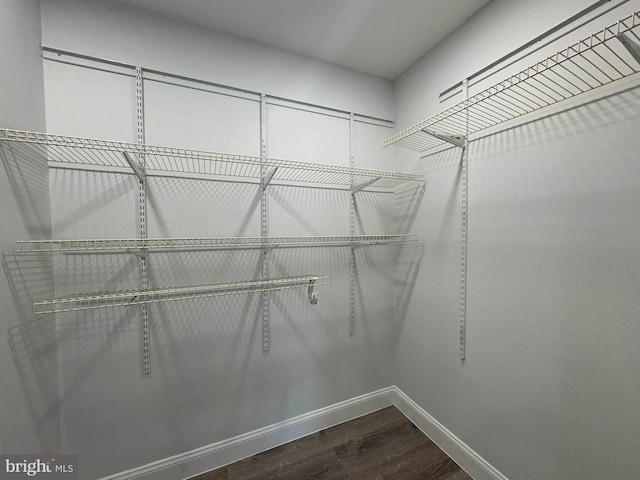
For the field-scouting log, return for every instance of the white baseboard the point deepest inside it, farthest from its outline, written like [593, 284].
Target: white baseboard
[222, 453]
[460, 452]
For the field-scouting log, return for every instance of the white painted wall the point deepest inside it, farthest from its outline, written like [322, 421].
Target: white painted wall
[29, 418]
[551, 383]
[550, 386]
[210, 380]
[142, 38]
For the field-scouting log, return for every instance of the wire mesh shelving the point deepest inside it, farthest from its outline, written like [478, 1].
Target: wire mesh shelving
[105, 154]
[604, 57]
[205, 243]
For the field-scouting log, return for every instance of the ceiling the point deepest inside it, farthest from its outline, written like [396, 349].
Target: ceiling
[379, 37]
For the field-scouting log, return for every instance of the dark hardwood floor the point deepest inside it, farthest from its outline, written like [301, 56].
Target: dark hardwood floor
[383, 445]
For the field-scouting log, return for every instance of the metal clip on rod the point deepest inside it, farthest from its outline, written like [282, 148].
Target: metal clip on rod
[313, 296]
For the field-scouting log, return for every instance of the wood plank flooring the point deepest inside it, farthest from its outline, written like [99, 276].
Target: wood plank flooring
[383, 445]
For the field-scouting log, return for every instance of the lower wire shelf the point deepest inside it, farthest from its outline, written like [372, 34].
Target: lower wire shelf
[88, 301]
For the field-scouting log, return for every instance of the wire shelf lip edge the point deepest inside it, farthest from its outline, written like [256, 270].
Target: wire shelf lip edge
[88, 301]
[555, 79]
[202, 243]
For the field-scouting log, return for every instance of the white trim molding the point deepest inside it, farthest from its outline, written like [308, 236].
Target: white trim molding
[476, 466]
[204, 459]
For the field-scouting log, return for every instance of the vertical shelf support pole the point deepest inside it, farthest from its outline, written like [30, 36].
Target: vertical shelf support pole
[464, 177]
[142, 220]
[352, 232]
[264, 225]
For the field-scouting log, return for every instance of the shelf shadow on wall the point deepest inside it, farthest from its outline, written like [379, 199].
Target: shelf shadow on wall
[616, 104]
[202, 207]
[200, 267]
[448, 159]
[29, 278]
[28, 175]
[87, 194]
[300, 324]
[441, 159]
[198, 346]
[86, 272]
[375, 301]
[71, 335]
[38, 342]
[31, 342]
[33, 346]
[303, 210]
[407, 203]
[34, 349]
[374, 212]
[407, 265]
[196, 318]
[373, 304]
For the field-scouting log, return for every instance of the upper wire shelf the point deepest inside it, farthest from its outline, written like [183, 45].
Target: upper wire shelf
[205, 243]
[106, 154]
[604, 57]
[122, 298]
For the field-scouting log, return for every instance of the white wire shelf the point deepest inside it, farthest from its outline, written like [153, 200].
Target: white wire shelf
[604, 57]
[205, 243]
[104, 154]
[89, 301]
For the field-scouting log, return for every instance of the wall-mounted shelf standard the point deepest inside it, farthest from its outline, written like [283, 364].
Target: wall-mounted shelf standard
[88, 301]
[78, 152]
[205, 243]
[604, 57]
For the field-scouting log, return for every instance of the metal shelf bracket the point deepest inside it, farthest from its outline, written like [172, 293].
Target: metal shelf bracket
[267, 248]
[356, 188]
[355, 245]
[139, 254]
[454, 139]
[632, 47]
[267, 177]
[134, 166]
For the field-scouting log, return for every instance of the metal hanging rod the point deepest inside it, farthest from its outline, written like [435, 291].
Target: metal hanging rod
[105, 154]
[123, 298]
[203, 243]
[123, 68]
[600, 59]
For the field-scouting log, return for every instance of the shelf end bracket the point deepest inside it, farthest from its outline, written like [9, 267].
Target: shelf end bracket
[268, 176]
[356, 188]
[632, 47]
[454, 139]
[134, 166]
[267, 247]
[139, 254]
[355, 245]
